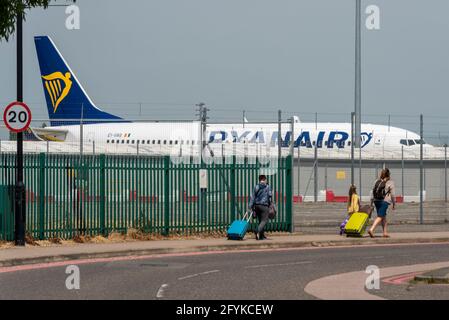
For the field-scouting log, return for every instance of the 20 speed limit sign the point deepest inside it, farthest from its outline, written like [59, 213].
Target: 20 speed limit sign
[17, 117]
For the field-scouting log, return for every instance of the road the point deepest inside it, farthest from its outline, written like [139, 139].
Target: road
[276, 274]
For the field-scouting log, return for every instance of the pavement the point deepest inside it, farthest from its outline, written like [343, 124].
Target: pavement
[351, 285]
[17, 256]
[407, 215]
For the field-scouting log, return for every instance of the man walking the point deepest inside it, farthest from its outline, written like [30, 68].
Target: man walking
[260, 203]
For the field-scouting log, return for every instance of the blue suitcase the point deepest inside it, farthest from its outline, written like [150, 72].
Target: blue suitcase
[238, 228]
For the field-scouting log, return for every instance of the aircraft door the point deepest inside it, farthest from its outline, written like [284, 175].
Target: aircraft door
[90, 137]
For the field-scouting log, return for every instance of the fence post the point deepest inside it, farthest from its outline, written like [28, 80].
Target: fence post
[402, 171]
[289, 192]
[232, 190]
[279, 136]
[445, 172]
[421, 172]
[315, 174]
[299, 170]
[42, 158]
[166, 195]
[102, 194]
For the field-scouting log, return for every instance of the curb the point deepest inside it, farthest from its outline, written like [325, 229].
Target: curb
[432, 279]
[215, 248]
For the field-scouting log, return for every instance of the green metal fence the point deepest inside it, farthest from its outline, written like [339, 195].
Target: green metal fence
[68, 195]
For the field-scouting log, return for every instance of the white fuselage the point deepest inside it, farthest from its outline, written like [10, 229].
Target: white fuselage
[330, 136]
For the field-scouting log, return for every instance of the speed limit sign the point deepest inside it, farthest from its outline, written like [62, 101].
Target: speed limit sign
[17, 117]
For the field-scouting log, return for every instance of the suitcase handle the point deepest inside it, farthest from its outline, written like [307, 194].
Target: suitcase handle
[247, 216]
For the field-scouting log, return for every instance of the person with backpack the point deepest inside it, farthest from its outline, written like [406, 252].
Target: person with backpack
[383, 195]
[353, 206]
[260, 203]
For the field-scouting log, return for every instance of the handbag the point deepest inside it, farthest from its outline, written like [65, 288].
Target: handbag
[272, 211]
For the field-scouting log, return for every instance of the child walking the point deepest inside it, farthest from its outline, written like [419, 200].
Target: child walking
[353, 206]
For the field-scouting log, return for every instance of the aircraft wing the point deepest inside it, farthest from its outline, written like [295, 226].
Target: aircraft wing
[49, 134]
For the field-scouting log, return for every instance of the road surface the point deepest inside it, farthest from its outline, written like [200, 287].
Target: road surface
[275, 274]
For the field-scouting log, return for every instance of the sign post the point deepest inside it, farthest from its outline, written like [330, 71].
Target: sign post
[17, 118]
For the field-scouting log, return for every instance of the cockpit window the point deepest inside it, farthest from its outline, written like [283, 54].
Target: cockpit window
[403, 142]
[419, 141]
[411, 143]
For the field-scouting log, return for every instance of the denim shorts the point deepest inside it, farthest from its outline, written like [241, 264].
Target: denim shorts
[381, 208]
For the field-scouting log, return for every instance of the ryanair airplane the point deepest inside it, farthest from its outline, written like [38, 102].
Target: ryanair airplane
[68, 104]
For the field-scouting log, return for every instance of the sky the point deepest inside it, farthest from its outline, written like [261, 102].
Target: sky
[156, 59]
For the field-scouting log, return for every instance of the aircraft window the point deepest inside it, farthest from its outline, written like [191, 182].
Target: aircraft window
[418, 141]
[187, 142]
[171, 141]
[313, 143]
[165, 141]
[159, 142]
[127, 141]
[143, 142]
[411, 143]
[176, 141]
[349, 143]
[107, 141]
[133, 141]
[403, 142]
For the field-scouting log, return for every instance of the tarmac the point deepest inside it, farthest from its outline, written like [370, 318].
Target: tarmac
[16, 256]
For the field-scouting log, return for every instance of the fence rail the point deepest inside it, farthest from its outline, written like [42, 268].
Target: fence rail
[93, 195]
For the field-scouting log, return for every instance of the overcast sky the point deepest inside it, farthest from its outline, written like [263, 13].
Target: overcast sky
[258, 55]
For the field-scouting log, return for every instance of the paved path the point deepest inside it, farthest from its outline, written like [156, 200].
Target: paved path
[351, 285]
[323, 214]
[31, 254]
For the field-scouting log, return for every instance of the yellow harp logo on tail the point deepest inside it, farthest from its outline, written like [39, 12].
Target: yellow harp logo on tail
[58, 87]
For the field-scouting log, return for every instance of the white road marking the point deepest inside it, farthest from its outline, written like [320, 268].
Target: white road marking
[198, 274]
[189, 276]
[160, 292]
[279, 264]
[375, 257]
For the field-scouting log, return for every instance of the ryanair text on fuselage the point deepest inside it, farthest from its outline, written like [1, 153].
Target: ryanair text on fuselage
[324, 139]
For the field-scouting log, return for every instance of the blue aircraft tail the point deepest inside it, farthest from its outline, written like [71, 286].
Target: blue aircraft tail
[67, 101]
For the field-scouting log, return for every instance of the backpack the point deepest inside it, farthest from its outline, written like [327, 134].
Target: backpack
[256, 194]
[379, 192]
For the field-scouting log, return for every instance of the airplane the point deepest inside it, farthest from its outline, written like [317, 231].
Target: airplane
[69, 106]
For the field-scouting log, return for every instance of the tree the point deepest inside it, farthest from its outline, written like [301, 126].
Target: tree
[9, 9]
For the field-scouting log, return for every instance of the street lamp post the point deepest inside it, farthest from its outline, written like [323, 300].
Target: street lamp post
[19, 203]
[358, 73]
[19, 194]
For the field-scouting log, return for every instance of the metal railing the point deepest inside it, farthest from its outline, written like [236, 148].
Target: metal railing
[69, 195]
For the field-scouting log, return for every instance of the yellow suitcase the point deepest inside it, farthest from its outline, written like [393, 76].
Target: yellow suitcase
[357, 224]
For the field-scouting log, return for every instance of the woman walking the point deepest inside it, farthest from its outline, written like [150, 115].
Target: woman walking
[383, 195]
